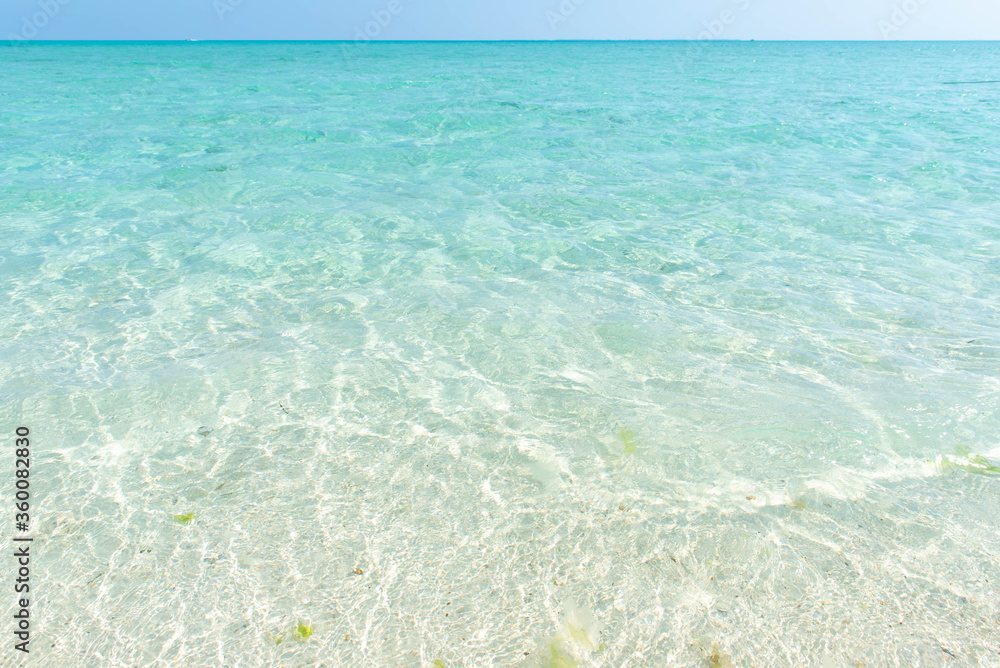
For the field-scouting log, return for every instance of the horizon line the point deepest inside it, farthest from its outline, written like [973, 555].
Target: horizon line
[189, 40]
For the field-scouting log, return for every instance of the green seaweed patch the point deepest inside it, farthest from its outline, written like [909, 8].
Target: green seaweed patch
[716, 659]
[184, 519]
[628, 438]
[276, 638]
[712, 656]
[438, 663]
[577, 633]
[302, 631]
[559, 657]
[966, 460]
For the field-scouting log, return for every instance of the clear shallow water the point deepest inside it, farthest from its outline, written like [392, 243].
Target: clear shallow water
[416, 291]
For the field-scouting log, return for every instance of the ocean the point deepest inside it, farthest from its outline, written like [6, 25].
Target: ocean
[497, 354]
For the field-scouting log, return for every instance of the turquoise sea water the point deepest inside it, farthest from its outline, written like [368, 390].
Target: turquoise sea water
[656, 354]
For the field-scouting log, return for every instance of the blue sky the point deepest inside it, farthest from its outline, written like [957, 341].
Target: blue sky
[500, 19]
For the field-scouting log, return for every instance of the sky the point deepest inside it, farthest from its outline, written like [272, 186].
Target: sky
[500, 19]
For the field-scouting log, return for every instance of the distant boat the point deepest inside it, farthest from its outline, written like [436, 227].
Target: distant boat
[190, 39]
